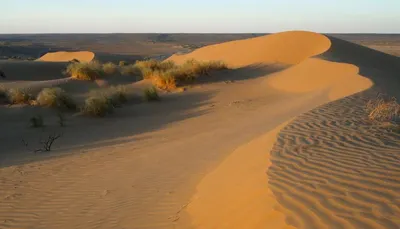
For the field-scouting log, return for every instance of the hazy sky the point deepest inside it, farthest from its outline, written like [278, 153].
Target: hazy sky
[221, 16]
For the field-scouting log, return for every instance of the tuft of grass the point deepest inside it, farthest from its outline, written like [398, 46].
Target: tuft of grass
[122, 63]
[117, 95]
[151, 94]
[18, 96]
[85, 71]
[110, 68]
[98, 105]
[383, 109]
[164, 80]
[148, 67]
[130, 70]
[3, 94]
[36, 121]
[55, 97]
[166, 75]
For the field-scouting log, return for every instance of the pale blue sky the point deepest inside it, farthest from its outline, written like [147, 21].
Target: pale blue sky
[199, 16]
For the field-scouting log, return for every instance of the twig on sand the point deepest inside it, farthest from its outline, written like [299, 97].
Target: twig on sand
[46, 144]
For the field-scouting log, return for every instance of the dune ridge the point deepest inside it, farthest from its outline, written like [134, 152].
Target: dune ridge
[284, 48]
[82, 56]
[295, 198]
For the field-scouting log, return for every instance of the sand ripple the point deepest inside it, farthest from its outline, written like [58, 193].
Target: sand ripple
[331, 169]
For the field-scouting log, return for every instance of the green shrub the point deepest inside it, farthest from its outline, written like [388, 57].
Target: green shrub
[98, 105]
[18, 96]
[110, 68]
[37, 121]
[85, 71]
[55, 97]
[151, 94]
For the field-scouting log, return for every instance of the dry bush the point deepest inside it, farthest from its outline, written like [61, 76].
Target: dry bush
[130, 70]
[3, 95]
[148, 67]
[55, 97]
[98, 105]
[122, 63]
[151, 94]
[166, 75]
[117, 95]
[18, 96]
[110, 68]
[85, 71]
[164, 80]
[383, 109]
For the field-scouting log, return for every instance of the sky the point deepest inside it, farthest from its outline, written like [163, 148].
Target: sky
[199, 16]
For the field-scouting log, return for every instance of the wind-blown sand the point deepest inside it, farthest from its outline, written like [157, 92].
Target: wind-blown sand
[82, 56]
[286, 145]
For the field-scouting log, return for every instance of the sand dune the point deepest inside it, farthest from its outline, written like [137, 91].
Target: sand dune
[282, 48]
[289, 148]
[293, 151]
[82, 56]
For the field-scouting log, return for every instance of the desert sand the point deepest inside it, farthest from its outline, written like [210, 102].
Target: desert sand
[280, 141]
[82, 56]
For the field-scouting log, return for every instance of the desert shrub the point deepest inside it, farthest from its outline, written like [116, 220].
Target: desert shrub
[122, 63]
[110, 68]
[55, 97]
[85, 71]
[151, 94]
[129, 70]
[3, 93]
[147, 67]
[383, 109]
[18, 96]
[117, 95]
[166, 75]
[36, 121]
[98, 105]
[164, 80]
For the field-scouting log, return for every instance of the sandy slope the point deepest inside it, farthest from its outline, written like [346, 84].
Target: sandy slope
[82, 56]
[201, 159]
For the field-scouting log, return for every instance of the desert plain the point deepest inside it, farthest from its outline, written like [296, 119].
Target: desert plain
[288, 130]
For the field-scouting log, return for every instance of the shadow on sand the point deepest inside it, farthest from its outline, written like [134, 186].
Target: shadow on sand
[83, 133]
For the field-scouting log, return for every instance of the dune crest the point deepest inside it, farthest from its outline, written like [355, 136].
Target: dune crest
[82, 56]
[284, 48]
[231, 187]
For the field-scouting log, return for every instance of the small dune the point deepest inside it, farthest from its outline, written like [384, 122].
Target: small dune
[81, 56]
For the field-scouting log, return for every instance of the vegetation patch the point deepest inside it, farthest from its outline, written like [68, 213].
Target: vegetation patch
[18, 96]
[110, 68]
[151, 94]
[85, 71]
[167, 75]
[98, 105]
[383, 109]
[55, 97]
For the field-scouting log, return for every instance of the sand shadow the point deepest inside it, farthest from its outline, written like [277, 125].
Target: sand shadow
[125, 125]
